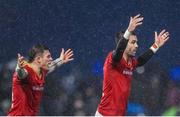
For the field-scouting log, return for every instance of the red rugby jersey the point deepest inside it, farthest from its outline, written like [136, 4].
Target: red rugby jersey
[116, 86]
[27, 93]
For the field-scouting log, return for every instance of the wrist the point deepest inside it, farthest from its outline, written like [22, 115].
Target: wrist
[154, 47]
[59, 61]
[17, 67]
[127, 34]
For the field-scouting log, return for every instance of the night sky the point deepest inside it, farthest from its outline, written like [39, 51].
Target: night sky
[86, 26]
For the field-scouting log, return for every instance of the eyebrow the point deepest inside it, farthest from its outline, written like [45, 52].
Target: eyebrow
[48, 55]
[134, 41]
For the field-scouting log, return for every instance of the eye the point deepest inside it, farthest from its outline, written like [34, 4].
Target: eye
[48, 56]
[133, 42]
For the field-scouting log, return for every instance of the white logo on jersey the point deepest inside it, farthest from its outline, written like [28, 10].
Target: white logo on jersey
[38, 88]
[127, 72]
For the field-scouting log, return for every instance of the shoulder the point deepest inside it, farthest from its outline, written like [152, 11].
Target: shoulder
[110, 54]
[109, 60]
[29, 68]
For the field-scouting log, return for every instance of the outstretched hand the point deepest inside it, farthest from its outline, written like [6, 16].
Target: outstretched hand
[162, 38]
[66, 56]
[134, 22]
[20, 61]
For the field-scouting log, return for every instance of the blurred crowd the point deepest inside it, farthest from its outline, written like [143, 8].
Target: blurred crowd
[78, 94]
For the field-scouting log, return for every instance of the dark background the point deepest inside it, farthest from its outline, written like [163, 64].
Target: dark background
[88, 27]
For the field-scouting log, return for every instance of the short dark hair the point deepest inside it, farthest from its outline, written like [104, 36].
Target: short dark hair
[35, 50]
[119, 35]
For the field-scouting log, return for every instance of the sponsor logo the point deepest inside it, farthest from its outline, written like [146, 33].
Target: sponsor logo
[127, 72]
[38, 88]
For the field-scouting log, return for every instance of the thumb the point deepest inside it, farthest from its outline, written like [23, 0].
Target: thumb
[62, 52]
[19, 55]
[155, 34]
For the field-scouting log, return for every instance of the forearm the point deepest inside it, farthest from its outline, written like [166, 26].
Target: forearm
[55, 64]
[121, 46]
[144, 58]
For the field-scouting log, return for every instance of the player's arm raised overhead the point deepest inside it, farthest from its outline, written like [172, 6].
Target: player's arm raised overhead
[21, 72]
[160, 40]
[65, 57]
[123, 40]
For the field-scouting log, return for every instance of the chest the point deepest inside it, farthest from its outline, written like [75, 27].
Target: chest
[37, 83]
[125, 68]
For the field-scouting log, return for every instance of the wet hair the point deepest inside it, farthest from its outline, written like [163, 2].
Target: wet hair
[119, 35]
[36, 50]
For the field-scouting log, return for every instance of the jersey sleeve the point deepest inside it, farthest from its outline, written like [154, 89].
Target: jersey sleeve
[30, 73]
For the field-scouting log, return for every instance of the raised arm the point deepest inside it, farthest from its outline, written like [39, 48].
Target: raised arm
[20, 70]
[123, 38]
[160, 40]
[65, 57]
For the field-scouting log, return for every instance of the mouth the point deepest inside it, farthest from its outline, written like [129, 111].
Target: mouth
[134, 51]
[49, 64]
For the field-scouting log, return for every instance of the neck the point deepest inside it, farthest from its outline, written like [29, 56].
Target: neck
[126, 57]
[36, 68]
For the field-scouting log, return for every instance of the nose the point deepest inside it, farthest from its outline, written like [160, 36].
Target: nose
[50, 58]
[136, 45]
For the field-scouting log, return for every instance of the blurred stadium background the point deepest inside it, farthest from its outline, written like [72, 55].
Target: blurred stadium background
[88, 27]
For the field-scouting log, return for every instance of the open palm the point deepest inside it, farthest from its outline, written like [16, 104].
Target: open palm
[161, 38]
[66, 56]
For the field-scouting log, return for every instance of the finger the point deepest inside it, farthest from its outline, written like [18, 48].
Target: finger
[21, 58]
[69, 56]
[131, 18]
[62, 51]
[155, 34]
[67, 51]
[22, 64]
[162, 32]
[166, 39]
[70, 59]
[71, 52]
[19, 55]
[138, 23]
[136, 16]
[138, 19]
[166, 34]
[21, 61]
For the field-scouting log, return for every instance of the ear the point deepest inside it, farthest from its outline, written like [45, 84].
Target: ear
[38, 59]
